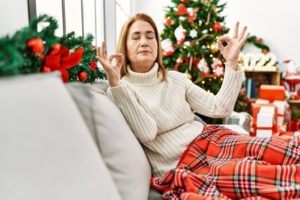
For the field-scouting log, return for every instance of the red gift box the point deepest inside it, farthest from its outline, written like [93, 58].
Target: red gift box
[272, 92]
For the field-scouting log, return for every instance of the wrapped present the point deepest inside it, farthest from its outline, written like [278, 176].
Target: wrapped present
[272, 92]
[266, 117]
[282, 107]
[264, 120]
[255, 109]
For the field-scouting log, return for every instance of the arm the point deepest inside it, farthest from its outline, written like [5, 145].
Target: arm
[141, 123]
[221, 104]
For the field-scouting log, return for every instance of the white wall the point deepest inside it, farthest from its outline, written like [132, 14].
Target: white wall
[13, 16]
[277, 22]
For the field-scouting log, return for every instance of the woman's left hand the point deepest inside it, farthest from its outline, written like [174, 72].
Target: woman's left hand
[232, 50]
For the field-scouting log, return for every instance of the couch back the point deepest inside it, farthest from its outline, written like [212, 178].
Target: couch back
[47, 151]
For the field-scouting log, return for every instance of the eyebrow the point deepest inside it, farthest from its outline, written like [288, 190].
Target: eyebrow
[138, 32]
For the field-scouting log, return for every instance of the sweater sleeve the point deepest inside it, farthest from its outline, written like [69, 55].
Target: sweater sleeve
[144, 127]
[219, 105]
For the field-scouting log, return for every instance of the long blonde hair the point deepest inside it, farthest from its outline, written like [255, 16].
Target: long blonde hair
[121, 47]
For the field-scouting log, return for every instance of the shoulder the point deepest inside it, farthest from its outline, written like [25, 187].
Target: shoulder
[175, 75]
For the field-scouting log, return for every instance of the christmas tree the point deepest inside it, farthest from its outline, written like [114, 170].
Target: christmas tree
[189, 44]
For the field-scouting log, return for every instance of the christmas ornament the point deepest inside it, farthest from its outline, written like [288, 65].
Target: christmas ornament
[216, 63]
[168, 22]
[217, 27]
[214, 47]
[193, 33]
[218, 71]
[93, 66]
[181, 10]
[82, 76]
[185, 1]
[36, 45]
[192, 14]
[203, 67]
[180, 34]
[167, 47]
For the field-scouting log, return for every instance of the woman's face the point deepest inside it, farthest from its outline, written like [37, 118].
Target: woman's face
[141, 46]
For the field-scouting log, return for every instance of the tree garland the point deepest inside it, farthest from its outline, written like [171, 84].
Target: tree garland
[31, 51]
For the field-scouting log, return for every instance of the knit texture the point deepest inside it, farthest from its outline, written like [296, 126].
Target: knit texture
[161, 113]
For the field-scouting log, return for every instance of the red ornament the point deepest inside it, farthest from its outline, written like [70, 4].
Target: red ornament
[55, 48]
[181, 10]
[82, 76]
[185, 1]
[93, 65]
[217, 27]
[36, 45]
[168, 22]
[46, 69]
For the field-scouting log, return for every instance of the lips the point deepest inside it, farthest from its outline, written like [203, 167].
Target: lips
[144, 51]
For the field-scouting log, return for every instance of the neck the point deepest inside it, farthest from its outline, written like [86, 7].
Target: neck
[141, 67]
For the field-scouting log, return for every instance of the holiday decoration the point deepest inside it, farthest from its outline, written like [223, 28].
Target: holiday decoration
[32, 51]
[262, 60]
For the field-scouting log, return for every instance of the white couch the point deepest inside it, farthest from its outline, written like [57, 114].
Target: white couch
[67, 142]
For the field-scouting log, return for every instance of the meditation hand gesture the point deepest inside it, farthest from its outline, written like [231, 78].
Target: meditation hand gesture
[112, 65]
[232, 50]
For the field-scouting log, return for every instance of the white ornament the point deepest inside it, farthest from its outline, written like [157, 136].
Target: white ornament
[219, 71]
[167, 47]
[187, 43]
[216, 62]
[205, 31]
[193, 33]
[200, 22]
[203, 66]
[182, 18]
[180, 34]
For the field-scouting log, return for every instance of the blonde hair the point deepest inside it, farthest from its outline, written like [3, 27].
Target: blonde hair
[121, 47]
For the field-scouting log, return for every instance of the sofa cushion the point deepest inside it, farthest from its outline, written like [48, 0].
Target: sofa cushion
[46, 149]
[120, 149]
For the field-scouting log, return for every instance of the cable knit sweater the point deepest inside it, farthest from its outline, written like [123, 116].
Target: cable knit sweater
[161, 113]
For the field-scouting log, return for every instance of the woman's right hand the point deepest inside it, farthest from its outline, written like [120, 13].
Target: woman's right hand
[112, 69]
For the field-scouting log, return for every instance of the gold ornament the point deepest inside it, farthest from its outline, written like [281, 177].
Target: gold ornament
[188, 75]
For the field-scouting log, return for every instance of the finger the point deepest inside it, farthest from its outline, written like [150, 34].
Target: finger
[244, 39]
[104, 50]
[115, 55]
[236, 30]
[98, 51]
[220, 45]
[225, 38]
[241, 36]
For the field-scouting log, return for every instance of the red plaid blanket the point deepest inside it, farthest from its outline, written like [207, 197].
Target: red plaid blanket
[221, 164]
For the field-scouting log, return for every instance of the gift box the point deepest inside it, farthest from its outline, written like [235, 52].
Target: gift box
[264, 120]
[282, 107]
[272, 92]
[266, 117]
[255, 109]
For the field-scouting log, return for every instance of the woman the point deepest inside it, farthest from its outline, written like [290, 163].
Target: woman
[159, 106]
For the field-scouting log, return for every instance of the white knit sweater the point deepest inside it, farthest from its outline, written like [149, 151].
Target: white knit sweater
[161, 113]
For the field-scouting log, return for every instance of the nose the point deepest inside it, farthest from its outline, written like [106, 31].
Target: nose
[144, 42]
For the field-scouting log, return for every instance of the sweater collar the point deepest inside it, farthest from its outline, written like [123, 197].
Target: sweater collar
[151, 76]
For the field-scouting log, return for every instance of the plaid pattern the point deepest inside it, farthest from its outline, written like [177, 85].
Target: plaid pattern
[221, 164]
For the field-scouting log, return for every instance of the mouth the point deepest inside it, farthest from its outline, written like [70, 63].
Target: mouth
[143, 52]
